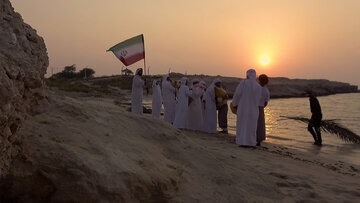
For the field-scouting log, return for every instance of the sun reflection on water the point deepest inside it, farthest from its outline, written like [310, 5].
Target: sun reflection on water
[270, 121]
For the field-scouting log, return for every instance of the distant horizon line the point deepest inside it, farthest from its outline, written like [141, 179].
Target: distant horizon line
[278, 77]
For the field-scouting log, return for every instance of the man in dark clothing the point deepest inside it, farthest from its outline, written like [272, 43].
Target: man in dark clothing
[222, 117]
[222, 107]
[315, 121]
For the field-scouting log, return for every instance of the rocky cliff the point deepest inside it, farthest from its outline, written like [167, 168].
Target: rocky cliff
[281, 87]
[285, 87]
[23, 63]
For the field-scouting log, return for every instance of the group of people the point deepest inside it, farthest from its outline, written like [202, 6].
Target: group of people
[197, 107]
[190, 106]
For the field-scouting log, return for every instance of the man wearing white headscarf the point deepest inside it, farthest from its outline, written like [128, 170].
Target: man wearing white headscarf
[156, 99]
[210, 118]
[247, 99]
[182, 106]
[195, 113]
[137, 92]
[169, 99]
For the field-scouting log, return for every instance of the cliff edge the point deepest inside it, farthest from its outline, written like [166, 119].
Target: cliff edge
[23, 63]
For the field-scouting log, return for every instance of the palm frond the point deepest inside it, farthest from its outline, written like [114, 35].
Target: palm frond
[332, 127]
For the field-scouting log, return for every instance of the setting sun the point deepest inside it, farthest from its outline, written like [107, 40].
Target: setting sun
[265, 60]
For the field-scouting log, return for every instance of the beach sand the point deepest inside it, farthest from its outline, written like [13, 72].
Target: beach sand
[90, 149]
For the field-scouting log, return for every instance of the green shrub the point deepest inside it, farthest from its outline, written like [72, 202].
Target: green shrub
[74, 86]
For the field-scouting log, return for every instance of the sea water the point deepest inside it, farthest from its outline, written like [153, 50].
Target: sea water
[294, 134]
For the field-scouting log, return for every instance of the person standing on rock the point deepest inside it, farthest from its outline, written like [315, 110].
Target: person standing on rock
[169, 99]
[246, 99]
[210, 119]
[265, 97]
[156, 99]
[137, 92]
[315, 120]
[182, 108]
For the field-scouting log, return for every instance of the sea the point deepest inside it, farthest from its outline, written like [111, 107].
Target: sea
[345, 108]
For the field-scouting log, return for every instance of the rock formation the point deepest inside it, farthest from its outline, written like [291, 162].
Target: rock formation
[23, 63]
[281, 87]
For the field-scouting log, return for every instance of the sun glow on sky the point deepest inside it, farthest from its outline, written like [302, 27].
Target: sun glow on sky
[296, 39]
[265, 61]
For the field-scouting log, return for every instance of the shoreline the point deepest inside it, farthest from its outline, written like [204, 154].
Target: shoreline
[341, 167]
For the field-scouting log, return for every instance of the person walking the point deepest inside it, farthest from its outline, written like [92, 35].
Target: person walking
[315, 120]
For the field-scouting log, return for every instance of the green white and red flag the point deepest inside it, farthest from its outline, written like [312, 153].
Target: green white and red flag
[130, 51]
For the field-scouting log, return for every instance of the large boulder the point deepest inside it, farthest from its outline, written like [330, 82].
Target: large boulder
[23, 63]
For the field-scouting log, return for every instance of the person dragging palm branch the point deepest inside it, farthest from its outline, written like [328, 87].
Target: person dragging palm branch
[315, 120]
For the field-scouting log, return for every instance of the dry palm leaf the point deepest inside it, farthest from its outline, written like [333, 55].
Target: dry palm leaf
[332, 127]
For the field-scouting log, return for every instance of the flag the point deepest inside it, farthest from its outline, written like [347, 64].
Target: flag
[130, 51]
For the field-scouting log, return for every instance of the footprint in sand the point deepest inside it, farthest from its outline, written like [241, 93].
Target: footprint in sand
[279, 175]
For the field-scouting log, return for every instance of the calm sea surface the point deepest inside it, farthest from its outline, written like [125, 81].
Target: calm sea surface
[293, 134]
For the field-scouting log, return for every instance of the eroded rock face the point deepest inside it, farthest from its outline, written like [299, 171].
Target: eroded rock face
[23, 63]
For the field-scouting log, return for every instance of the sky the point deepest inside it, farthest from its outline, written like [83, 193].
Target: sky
[312, 39]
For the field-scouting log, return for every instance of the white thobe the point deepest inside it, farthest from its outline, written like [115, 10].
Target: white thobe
[182, 106]
[195, 112]
[137, 95]
[210, 118]
[247, 98]
[169, 101]
[156, 100]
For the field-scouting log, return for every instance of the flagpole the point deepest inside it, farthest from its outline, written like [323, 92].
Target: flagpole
[144, 66]
[144, 52]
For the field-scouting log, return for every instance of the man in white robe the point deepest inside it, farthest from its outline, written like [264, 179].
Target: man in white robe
[182, 106]
[137, 93]
[169, 99]
[195, 112]
[156, 99]
[210, 118]
[247, 98]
